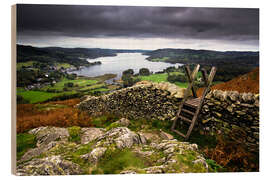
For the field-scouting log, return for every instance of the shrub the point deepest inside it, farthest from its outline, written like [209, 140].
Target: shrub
[144, 72]
[129, 80]
[128, 72]
[176, 78]
[71, 76]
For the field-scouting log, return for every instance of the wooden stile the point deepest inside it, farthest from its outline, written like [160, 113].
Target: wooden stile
[194, 102]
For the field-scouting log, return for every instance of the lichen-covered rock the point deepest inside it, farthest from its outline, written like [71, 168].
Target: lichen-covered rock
[53, 165]
[128, 172]
[95, 154]
[45, 135]
[121, 136]
[91, 134]
[165, 135]
[123, 122]
[37, 151]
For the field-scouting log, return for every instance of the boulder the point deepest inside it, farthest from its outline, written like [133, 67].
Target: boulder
[45, 135]
[53, 165]
[91, 134]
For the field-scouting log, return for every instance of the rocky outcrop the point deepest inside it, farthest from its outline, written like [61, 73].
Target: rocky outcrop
[148, 100]
[91, 134]
[52, 165]
[232, 113]
[63, 157]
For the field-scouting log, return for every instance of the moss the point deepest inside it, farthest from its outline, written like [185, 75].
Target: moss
[115, 161]
[84, 149]
[185, 163]
[213, 166]
[74, 134]
[104, 120]
[113, 125]
[25, 141]
[71, 152]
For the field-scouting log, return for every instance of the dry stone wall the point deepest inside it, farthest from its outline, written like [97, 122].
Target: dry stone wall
[232, 113]
[150, 101]
[226, 112]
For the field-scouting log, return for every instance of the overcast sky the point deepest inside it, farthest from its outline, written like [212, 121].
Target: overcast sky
[123, 27]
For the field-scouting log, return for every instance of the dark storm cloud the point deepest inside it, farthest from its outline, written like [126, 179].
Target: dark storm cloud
[144, 22]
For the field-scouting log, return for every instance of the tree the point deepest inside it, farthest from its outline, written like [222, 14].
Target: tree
[144, 72]
[128, 71]
[129, 80]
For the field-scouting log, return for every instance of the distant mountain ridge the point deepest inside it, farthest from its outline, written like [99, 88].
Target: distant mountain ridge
[74, 56]
[209, 57]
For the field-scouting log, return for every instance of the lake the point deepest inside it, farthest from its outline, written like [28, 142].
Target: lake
[123, 61]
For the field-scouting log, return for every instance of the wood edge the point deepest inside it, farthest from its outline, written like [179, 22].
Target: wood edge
[13, 87]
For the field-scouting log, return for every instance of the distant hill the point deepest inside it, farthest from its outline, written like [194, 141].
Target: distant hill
[246, 83]
[205, 57]
[230, 64]
[74, 56]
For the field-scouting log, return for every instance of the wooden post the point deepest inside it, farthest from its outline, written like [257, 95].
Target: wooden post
[187, 69]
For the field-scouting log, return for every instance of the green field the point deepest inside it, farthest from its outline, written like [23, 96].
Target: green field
[162, 78]
[160, 59]
[40, 96]
[76, 83]
[25, 64]
[81, 86]
[63, 65]
[95, 86]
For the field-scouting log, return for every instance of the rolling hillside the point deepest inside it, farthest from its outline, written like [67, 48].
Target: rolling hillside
[246, 83]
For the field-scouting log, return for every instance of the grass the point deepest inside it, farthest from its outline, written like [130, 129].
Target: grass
[63, 65]
[77, 82]
[155, 77]
[41, 96]
[48, 107]
[25, 141]
[162, 78]
[104, 121]
[186, 164]
[95, 86]
[25, 64]
[86, 85]
[213, 166]
[113, 162]
[74, 133]
[160, 59]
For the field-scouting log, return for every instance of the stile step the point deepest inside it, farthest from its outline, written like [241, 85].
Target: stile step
[185, 119]
[187, 111]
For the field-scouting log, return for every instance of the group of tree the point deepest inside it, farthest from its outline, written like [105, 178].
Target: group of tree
[129, 78]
